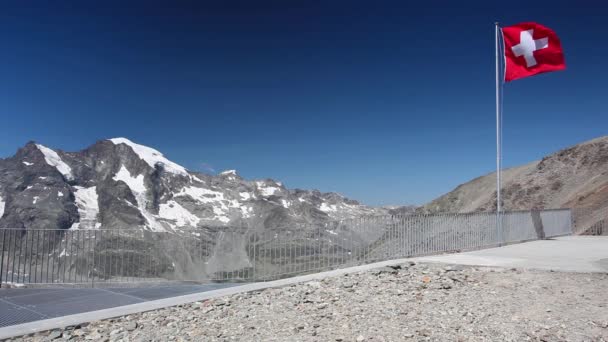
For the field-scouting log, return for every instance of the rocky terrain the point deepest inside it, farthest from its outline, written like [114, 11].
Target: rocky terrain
[417, 302]
[576, 177]
[118, 184]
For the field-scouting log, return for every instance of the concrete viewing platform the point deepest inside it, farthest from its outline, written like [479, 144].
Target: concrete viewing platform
[564, 254]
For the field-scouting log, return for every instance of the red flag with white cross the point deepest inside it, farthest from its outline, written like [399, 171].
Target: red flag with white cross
[530, 49]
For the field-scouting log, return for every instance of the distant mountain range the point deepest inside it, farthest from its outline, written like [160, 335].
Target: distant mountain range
[118, 184]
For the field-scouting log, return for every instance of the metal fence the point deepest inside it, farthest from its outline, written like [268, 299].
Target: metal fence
[245, 254]
[590, 220]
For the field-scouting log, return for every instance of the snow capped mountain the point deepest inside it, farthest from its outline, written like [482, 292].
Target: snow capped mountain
[118, 184]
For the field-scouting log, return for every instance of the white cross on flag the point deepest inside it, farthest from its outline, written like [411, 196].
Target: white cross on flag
[531, 49]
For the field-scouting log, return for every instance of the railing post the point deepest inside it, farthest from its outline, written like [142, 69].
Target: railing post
[538, 224]
[93, 268]
[2, 256]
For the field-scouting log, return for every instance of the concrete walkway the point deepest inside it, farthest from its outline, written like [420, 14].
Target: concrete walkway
[565, 254]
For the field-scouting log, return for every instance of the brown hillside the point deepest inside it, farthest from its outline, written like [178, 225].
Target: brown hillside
[574, 177]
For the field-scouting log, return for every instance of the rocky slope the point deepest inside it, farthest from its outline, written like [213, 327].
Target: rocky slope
[576, 177]
[118, 184]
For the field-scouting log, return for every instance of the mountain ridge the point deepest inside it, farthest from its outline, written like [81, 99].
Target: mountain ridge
[116, 183]
[573, 177]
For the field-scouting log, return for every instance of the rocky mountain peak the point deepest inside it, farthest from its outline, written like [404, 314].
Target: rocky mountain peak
[152, 157]
[230, 175]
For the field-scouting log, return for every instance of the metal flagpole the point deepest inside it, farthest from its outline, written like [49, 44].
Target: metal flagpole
[498, 140]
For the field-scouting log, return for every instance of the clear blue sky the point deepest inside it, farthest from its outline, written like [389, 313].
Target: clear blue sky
[387, 102]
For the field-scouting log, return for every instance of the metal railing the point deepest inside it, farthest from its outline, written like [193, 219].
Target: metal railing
[245, 254]
[590, 220]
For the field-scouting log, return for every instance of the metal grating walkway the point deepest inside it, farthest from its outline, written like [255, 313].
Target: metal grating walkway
[19, 306]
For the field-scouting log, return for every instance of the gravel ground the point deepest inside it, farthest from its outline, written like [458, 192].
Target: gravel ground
[418, 302]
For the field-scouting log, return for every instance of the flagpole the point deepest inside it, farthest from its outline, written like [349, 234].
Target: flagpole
[498, 139]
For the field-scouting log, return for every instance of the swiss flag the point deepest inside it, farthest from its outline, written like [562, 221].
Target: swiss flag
[530, 49]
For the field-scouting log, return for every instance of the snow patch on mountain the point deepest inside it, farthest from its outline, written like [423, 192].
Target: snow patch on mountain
[136, 184]
[88, 207]
[246, 211]
[201, 194]
[152, 156]
[220, 204]
[245, 196]
[229, 175]
[265, 189]
[328, 208]
[204, 195]
[220, 215]
[138, 188]
[2, 205]
[193, 177]
[28, 164]
[52, 158]
[175, 212]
